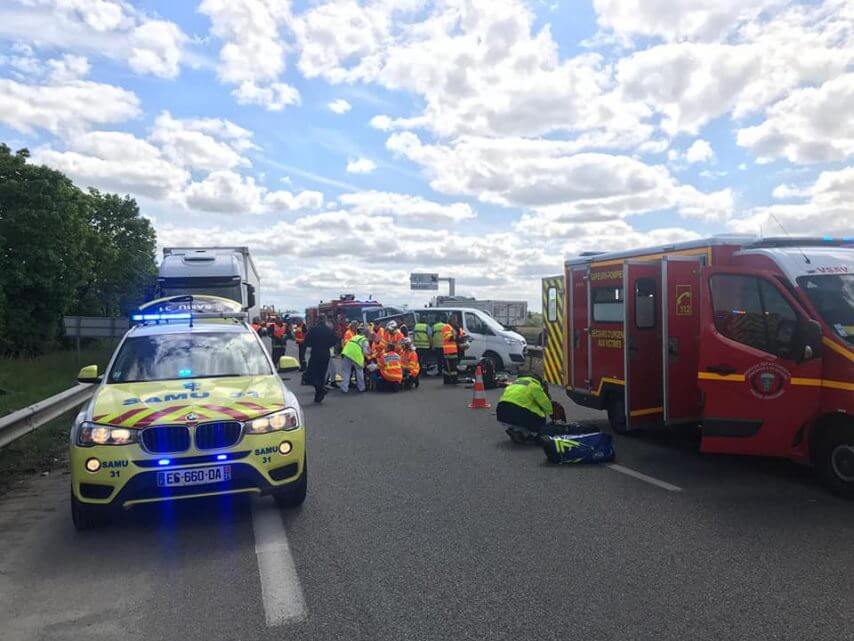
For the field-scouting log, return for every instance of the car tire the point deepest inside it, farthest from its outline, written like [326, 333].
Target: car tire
[617, 414]
[294, 494]
[835, 460]
[88, 517]
[497, 363]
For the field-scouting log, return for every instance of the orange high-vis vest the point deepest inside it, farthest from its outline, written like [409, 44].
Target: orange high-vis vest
[347, 336]
[411, 364]
[449, 340]
[394, 338]
[390, 367]
[299, 334]
[278, 331]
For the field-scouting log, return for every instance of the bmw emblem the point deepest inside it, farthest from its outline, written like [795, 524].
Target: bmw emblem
[191, 417]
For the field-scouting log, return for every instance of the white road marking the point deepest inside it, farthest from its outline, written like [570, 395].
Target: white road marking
[280, 587]
[643, 477]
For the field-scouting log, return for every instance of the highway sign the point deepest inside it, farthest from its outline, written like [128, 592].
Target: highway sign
[424, 281]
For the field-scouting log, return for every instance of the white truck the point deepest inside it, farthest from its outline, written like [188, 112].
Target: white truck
[510, 313]
[217, 271]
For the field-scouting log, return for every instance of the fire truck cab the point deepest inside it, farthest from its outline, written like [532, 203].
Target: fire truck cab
[750, 338]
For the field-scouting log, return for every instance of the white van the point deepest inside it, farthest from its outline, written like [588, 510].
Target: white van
[489, 339]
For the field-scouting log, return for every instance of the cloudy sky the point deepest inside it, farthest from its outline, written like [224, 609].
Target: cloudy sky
[350, 142]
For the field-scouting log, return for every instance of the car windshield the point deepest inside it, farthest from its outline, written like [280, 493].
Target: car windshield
[175, 356]
[833, 297]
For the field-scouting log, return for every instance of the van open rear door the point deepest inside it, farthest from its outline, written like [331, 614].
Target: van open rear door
[759, 368]
[642, 345]
[680, 351]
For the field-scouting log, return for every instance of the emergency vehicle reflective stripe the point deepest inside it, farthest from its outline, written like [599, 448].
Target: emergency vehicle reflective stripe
[809, 382]
[142, 417]
[836, 347]
[553, 349]
[709, 376]
[647, 412]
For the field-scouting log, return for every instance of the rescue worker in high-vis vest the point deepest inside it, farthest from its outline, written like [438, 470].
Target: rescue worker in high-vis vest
[450, 352]
[353, 357]
[421, 335]
[436, 344]
[300, 330]
[390, 369]
[350, 332]
[279, 337]
[392, 335]
[525, 403]
[411, 366]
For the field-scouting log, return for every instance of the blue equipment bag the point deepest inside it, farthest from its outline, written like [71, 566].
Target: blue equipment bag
[595, 447]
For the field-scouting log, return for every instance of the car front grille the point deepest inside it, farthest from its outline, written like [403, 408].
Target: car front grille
[163, 439]
[211, 436]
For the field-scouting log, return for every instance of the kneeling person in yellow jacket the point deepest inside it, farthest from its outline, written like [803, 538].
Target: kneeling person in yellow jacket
[525, 403]
[353, 359]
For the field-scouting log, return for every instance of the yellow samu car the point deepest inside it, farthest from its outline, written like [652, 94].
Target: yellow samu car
[190, 405]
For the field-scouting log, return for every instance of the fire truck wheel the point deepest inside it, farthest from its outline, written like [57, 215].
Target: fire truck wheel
[617, 414]
[836, 460]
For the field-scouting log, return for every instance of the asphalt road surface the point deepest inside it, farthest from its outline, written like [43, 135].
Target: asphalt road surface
[423, 521]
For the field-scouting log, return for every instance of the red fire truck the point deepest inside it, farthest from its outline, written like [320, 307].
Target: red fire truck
[750, 338]
[343, 310]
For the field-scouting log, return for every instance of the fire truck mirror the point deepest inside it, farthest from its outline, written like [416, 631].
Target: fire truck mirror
[810, 340]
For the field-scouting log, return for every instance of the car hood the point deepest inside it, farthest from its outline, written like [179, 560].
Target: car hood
[138, 405]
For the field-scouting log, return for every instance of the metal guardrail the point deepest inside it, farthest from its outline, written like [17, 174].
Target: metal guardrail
[24, 421]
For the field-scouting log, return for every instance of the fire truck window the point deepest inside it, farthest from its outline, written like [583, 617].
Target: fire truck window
[645, 303]
[752, 311]
[552, 311]
[607, 304]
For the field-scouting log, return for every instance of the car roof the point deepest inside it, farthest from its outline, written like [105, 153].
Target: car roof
[199, 327]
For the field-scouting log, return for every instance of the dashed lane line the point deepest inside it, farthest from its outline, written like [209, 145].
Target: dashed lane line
[645, 478]
[281, 592]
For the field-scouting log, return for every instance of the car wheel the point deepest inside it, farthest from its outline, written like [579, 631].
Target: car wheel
[836, 460]
[294, 494]
[87, 517]
[617, 414]
[497, 363]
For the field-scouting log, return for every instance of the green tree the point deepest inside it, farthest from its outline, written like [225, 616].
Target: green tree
[42, 262]
[121, 248]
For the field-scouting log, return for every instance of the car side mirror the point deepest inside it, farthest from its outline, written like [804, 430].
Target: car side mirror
[250, 296]
[288, 364]
[89, 374]
[810, 344]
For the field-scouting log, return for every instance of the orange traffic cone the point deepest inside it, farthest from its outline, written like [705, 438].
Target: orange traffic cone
[479, 401]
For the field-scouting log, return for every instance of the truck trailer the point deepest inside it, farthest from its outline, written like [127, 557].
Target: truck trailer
[750, 338]
[228, 272]
[510, 313]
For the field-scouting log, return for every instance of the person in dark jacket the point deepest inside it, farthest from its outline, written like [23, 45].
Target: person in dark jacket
[320, 339]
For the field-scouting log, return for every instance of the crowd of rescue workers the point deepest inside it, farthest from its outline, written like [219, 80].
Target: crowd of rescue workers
[383, 357]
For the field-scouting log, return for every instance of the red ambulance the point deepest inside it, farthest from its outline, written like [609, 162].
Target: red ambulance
[751, 338]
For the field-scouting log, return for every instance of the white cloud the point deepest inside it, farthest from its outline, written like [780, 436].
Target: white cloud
[68, 68]
[339, 106]
[550, 174]
[361, 166]
[405, 207]
[811, 125]
[225, 192]
[828, 208]
[273, 97]
[116, 161]
[61, 107]
[201, 144]
[97, 28]
[699, 151]
[287, 201]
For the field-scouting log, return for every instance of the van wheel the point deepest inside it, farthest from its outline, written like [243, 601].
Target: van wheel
[617, 414]
[497, 363]
[836, 460]
[294, 494]
[88, 517]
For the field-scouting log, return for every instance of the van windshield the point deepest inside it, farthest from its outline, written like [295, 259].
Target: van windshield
[833, 297]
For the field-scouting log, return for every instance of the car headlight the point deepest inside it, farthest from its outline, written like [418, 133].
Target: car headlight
[89, 434]
[287, 419]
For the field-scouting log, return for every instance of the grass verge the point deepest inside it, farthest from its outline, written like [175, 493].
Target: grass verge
[25, 381]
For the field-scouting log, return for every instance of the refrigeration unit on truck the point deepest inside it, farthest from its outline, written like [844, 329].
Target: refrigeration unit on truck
[217, 271]
[752, 339]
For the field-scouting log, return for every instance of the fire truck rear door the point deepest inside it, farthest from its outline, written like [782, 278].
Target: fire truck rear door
[680, 351]
[553, 322]
[642, 344]
[759, 381]
[579, 325]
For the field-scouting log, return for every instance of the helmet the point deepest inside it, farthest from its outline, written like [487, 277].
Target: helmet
[392, 325]
[407, 342]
